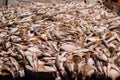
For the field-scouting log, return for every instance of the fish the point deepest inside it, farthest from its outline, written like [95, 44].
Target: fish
[74, 40]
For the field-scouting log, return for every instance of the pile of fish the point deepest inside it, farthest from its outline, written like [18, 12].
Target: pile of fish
[73, 39]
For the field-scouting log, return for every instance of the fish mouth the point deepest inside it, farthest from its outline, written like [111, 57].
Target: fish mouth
[5, 72]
